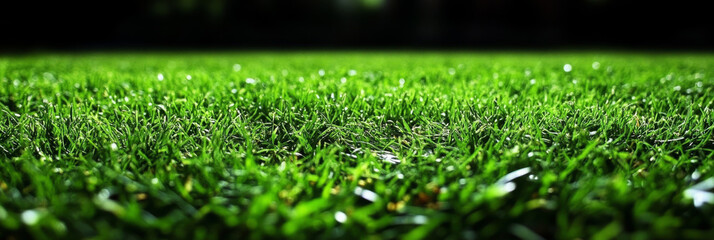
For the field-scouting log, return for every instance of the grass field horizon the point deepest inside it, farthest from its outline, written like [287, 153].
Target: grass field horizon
[380, 145]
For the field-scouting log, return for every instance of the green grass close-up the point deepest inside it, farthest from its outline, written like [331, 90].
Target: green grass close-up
[378, 145]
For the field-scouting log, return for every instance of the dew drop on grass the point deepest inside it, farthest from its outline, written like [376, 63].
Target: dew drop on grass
[188, 77]
[236, 67]
[160, 77]
[677, 88]
[321, 72]
[104, 194]
[699, 193]
[452, 71]
[596, 65]
[696, 175]
[154, 181]
[30, 217]
[114, 147]
[419, 219]
[343, 80]
[250, 81]
[533, 81]
[567, 67]
[340, 217]
[352, 72]
[301, 79]
[366, 194]
[234, 91]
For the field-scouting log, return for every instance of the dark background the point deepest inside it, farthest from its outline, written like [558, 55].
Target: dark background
[481, 24]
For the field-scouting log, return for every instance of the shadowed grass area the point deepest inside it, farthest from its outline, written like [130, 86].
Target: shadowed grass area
[347, 144]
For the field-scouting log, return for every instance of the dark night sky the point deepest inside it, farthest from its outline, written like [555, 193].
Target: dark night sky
[132, 24]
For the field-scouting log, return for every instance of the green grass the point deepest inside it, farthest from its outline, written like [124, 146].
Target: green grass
[468, 145]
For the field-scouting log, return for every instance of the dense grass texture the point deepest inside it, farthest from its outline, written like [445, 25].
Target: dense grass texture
[305, 145]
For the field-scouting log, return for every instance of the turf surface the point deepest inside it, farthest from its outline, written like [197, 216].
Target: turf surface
[347, 144]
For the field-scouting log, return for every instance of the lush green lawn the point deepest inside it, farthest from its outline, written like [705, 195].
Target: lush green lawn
[378, 145]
